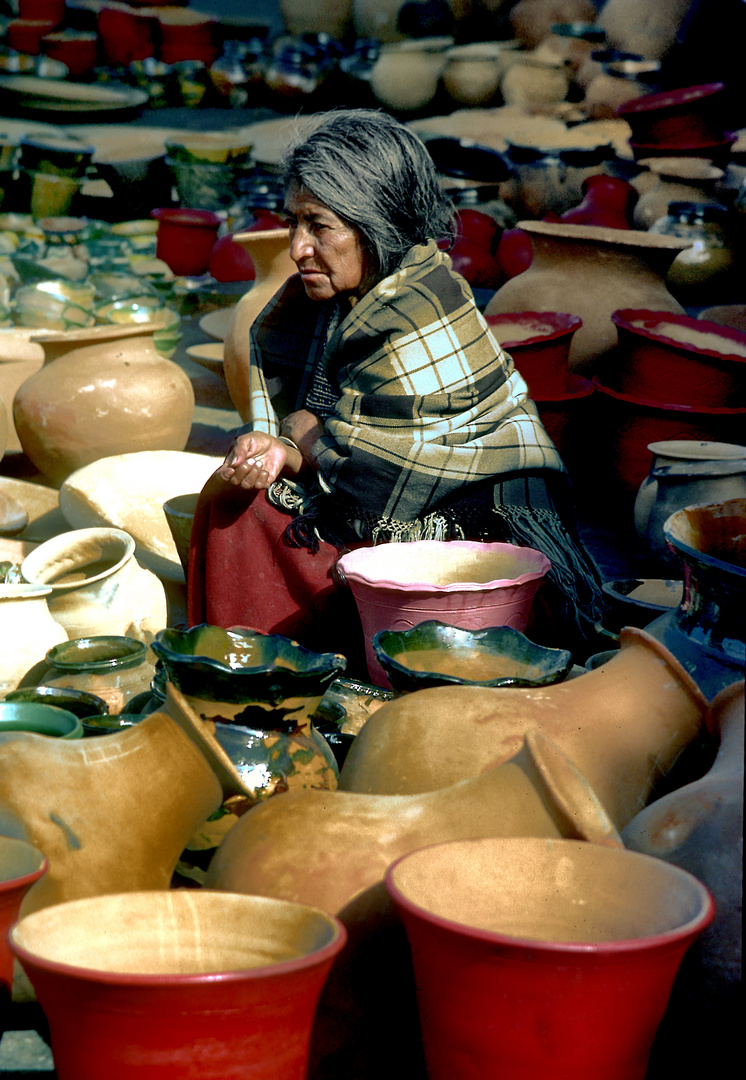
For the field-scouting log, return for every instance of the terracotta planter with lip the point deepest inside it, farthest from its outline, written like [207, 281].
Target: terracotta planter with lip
[186, 238]
[21, 866]
[543, 957]
[539, 343]
[565, 417]
[681, 117]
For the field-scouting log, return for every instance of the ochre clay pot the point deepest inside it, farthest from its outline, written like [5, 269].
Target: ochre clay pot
[101, 392]
[543, 957]
[639, 27]
[531, 20]
[623, 725]
[270, 252]
[27, 631]
[590, 272]
[178, 982]
[699, 827]
[406, 75]
[113, 667]
[111, 814]
[21, 866]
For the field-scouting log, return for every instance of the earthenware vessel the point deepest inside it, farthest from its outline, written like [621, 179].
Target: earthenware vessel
[607, 202]
[76, 49]
[187, 35]
[539, 343]
[406, 75]
[464, 583]
[537, 939]
[635, 26]
[678, 179]
[590, 272]
[114, 667]
[435, 654]
[637, 601]
[21, 866]
[549, 179]
[114, 818]
[43, 719]
[706, 632]
[699, 827]
[27, 631]
[473, 72]
[126, 34]
[680, 118]
[531, 82]
[101, 392]
[179, 513]
[700, 274]
[186, 237]
[270, 252]
[98, 587]
[651, 710]
[532, 20]
[79, 702]
[331, 17]
[565, 415]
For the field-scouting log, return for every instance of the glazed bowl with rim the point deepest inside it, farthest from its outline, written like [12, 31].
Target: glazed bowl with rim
[80, 702]
[39, 719]
[436, 654]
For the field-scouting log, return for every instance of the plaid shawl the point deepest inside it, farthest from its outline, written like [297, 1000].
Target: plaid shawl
[428, 403]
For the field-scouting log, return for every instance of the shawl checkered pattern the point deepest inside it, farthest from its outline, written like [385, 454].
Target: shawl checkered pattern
[428, 403]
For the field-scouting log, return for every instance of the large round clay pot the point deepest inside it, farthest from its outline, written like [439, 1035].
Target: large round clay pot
[21, 866]
[699, 827]
[531, 82]
[588, 271]
[623, 725]
[27, 631]
[543, 957]
[98, 587]
[406, 75]
[101, 392]
[706, 631]
[270, 252]
[678, 179]
[178, 982]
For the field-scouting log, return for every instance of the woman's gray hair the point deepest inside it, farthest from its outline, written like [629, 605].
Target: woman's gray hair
[378, 176]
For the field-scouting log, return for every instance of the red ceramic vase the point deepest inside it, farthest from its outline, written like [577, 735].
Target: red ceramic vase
[543, 958]
[608, 202]
[126, 35]
[539, 343]
[21, 865]
[677, 359]
[186, 238]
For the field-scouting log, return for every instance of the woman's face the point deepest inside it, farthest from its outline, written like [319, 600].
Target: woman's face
[328, 252]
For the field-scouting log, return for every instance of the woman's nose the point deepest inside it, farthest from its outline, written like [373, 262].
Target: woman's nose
[301, 246]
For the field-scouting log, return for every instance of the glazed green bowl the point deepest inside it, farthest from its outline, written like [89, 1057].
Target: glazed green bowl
[39, 719]
[435, 654]
[79, 702]
[237, 665]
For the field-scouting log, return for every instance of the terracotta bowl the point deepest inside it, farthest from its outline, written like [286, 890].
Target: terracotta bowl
[435, 654]
[41, 719]
[539, 342]
[677, 359]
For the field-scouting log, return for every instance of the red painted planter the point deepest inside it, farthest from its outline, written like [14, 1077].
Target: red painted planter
[186, 238]
[78, 51]
[685, 116]
[678, 360]
[21, 866]
[563, 416]
[127, 35]
[188, 40]
[24, 35]
[539, 342]
[47, 10]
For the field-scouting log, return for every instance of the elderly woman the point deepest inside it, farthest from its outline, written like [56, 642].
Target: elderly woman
[398, 416]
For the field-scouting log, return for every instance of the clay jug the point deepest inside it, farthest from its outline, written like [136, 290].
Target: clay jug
[706, 631]
[114, 668]
[102, 391]
[590, 272]
[531, 82]
[623, 725]
[98, 587]
[699, 827]
[406, 75]
[111, 814]
[27, 631]
[270, 252]
[679, 179]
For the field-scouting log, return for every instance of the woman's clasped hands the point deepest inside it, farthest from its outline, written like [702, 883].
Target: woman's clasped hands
[256, 459]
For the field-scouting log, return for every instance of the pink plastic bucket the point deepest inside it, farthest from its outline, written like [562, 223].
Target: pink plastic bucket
[459, 582]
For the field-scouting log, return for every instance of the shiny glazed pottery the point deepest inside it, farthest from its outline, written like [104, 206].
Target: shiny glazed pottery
[111, 814]
[464, 583]
[98, 587]
[270, 252]
[27, 631]
[677, 359]
[590, 272]
[623, 725]
[101, 392]
[186, 238]
[699, 827]
[435, 654]
[79, 702]
[637, 601]
[41, 719]
[111, 666]
[543, 957]
[21, 866]
[179, 513]
[706, 631]
[705, 270]
[178, 982]
[539, 343]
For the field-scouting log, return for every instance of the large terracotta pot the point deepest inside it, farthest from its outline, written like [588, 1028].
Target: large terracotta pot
[543, 957]
[706, 631]
[21, 866]
[27, 631]
[101, 392]
[98, 587]
[623, 725]
[114, 818]
[699, 827]
[168, 984]
[186, 237]
[590, 272]
[270, 252]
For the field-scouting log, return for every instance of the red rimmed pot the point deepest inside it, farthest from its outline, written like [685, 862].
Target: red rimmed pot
[187, 35]
[186, 238]
[564, 415]
[21, 866]
[77, 50]
[625, 425]
[24, 35]
[683, 117]
[677, 359]
[127, 35]
[716, 151]
[539, 342]
[176, 983]
[537, 957]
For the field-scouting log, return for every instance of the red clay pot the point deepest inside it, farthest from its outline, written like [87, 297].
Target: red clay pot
[608, 202]
[562, 415]
[185, 36]
[21, 865]
[186, 238]
[24, 35]
[126, 35]
[47, 10]
[681, 117]
[77, 51]
[539, 342]
[677, 359]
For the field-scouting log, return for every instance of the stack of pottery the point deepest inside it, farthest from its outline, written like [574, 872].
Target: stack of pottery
[539, 343]
[549, 179]
[51, 172]
[677, 179]
[207, 168]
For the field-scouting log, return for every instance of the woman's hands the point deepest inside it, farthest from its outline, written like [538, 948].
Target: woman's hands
[256, 459]
[304, 428]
